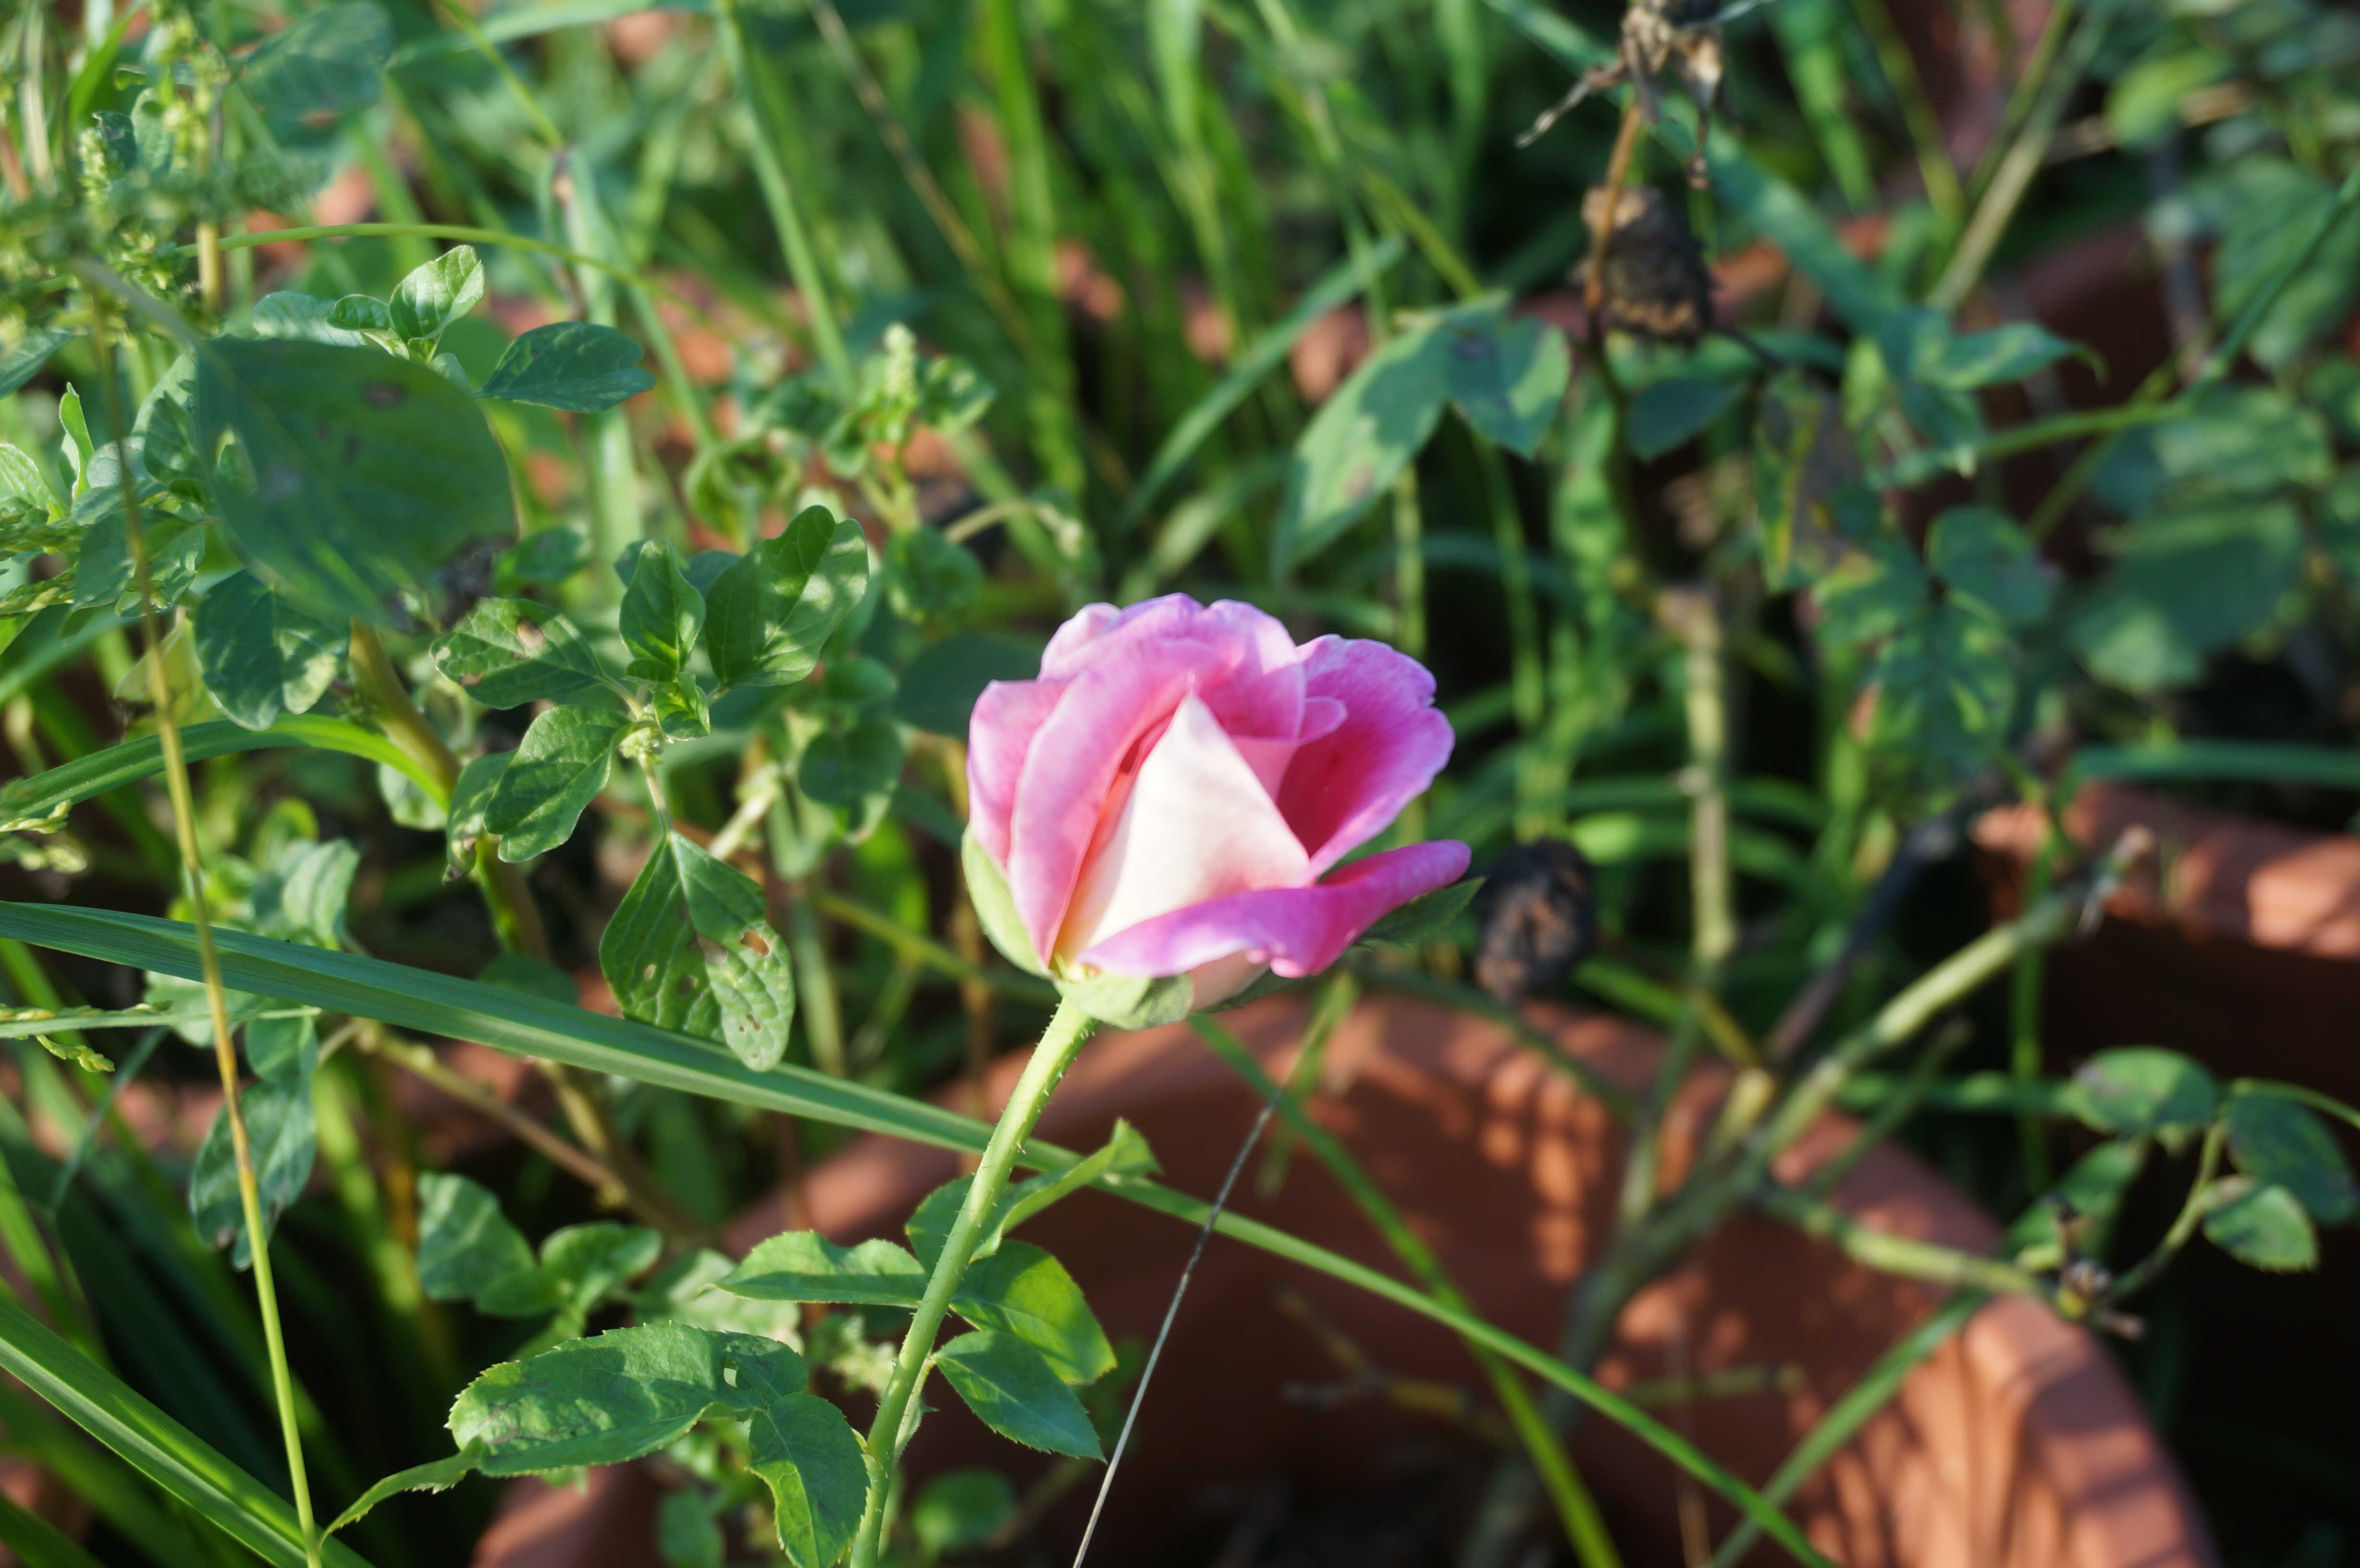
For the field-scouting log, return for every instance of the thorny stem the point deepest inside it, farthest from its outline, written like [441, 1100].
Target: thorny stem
[1060, 1043]
[184, 828]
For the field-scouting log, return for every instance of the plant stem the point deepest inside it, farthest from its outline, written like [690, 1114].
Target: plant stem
[185, 829]
[1060, 1042]
[1901, 1255]
[2183, 1228]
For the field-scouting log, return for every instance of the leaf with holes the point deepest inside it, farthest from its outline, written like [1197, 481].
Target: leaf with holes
[555, 772]
[769, 615]
[689, 949]
[1360, 440]
[283, 1135]
[579, 367]
[2273, 1140]
[807, 1454]
[1013, 1390]
[2261, 1227]
[662, 612]
[1507, 375]
[259, 655]
[2140, 1090]
[361, 474]
[600, 1400]
[466, 1246]
[509, 652]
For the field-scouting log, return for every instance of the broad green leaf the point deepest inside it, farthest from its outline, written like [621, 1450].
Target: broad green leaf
[687, 1290]
[1951, 421]
[280, 1129]
[2235, 441]
[2092, 1188]
[1944, 685]
[767, 616]
[804, 1265]
[928, 578]
[1982, 556]
[2186, 585]
[23, 361]
[579, 1267]
[577, 365]
[938, 690]
[283, 1046]
[466, 1246]
[304, 318]
[960, 1508]
[688, 1532]
[690, 948]
[1507, 375]
[2261, 1227]
[1021, 1291]
[680, 708]
[1360, 440]
[2270, 204]
[1871, 593]
[2143, 103]
[544, 555]
[303, 890]
[1921, 345]
[311, 74]
[2140, 1089]
[995, 906]
[662, 612]
[364, 474]
[554, 772]
[462, 823]
[434, 1475]
[600, 1400]
[2283, 1144]
[1427, 916]
[362, 313]
[856, 768]
[409, 804]
[807, 1454]
[1674, 411]
[761, 1371]
[1012, 1390]
[435, 294]
[260, 655]
[509, 652]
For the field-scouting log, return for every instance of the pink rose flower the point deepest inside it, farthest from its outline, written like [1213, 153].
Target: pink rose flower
[1171, 796]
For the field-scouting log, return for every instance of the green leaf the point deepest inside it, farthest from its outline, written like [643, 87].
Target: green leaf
[435, 294]
[939, 689]
[362, 313]
[1871, 593]
[281, 1131]
[960, 1508]
[856, 768]
[2186, 585]
[366, 473]
[2143, 103]
[662, 612]
[1952, 422]
[22, 362]
[1131, 1001]
[1507, 375]
[462, 823]
[1012, 1390]
[1361, 441]
[1125, 1153]
[434, 1475]
[533, 976]
[466, 1246]
[260, 655]
[2235, 441]
[2270, 204]
[995, 906]
[2140, 1089]
[690, 948]
[2261, 1227]
[688, 1532]
[601, 1401]
[767, 616]
[681, 709]
[929, 577]
[804, 1265]
[579, 367]
[555, 772]
[1944, 685]
[579, 1267]
[1427, 916]
[303, 890]
[544, 555]
[1983, 557]
[283, 1046]
[1921, 345]
[315, 71]
[409, 804]
[509, 652]
[1674, 411]
[1021, 1291]
[303, 318]
[807, 1454]
[2285, 1145]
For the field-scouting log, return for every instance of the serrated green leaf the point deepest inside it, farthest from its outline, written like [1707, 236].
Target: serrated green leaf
[434, 1475]
[553, 774]
[1125, 1152]
[1983, 557]
[466, 1246]
[579, 367]
[462, 822]
[315, 71]
[2285, 1145]
[260, 655]
[2187, 584]
[283, 1135]
[687, 1290]
[2261, 1227]
[364, 474]
[690, 948]
[662, 612]
[807, 1454]
[769, 615]
[2140, 1089]
[509, 652]
[436, 293]
[1013, 1390]
[1021, 1291]
[804, 1265]
[1507, 375]
[1673, 411]
[601, 1401]
[1360, 440]
[579, 1267]
[960, 1508]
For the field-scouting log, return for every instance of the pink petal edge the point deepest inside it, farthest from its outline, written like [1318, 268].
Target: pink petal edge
[1347, 787]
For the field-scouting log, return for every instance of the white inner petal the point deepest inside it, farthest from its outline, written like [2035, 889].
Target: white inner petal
[1197, 824]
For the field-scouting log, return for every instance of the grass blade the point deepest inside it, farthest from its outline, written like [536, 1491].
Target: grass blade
[85, 777]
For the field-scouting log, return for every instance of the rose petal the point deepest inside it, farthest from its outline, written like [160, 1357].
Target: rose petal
[1260, 690]
[1344, 789]
[998, 736]
[1196, 824]
[1295, 930]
